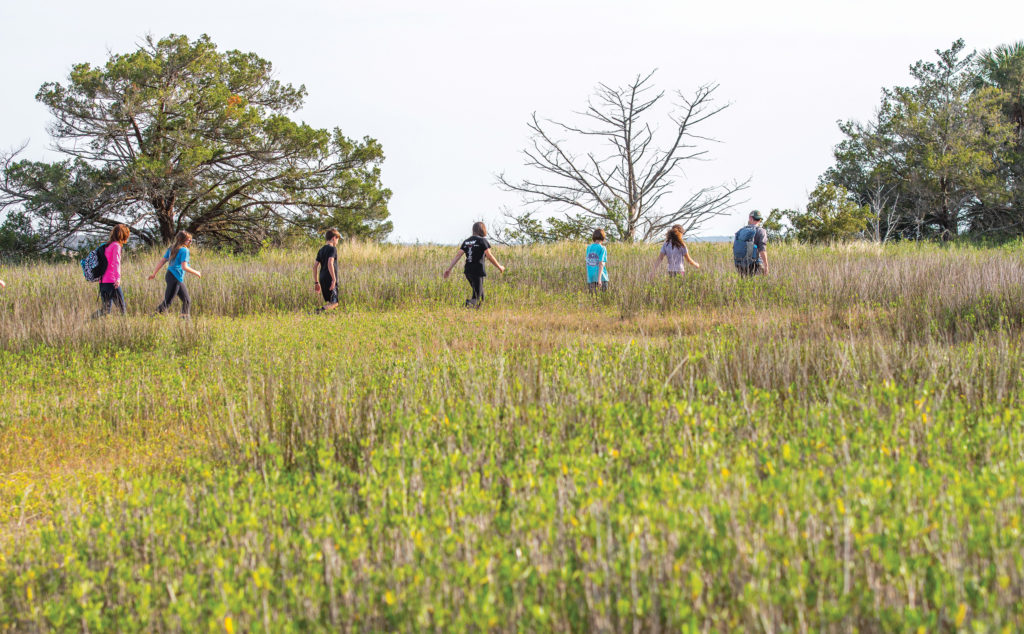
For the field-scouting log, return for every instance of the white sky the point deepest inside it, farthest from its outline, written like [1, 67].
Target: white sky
[448, 86]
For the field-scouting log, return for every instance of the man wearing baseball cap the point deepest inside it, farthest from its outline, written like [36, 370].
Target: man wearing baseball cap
[749, 249]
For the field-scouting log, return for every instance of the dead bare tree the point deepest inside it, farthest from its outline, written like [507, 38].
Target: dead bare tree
[885, 214]
[628, 188]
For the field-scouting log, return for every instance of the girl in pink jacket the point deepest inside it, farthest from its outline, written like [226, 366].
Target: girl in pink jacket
[110, 283]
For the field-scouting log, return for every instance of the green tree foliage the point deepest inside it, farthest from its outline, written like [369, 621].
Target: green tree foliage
[1002, 69]
[932, 149]
[178, 135]
[527, 229]
[774, 224]
[831, 216]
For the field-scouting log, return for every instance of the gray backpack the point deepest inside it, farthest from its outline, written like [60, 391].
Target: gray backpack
[744, 251]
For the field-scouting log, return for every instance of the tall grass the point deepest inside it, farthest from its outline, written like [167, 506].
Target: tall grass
[912, 288]
[835, 446]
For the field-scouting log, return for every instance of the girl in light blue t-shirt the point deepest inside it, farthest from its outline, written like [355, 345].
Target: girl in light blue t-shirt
[597, 263]
[176, 259]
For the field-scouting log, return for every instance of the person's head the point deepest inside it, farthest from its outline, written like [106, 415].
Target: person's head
[332, 236]
[120, 234]
[675, 235]
[181, 239]
[755, 217]
[480, 229]
[599, 235]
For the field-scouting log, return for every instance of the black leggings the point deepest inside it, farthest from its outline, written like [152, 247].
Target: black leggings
[477, 283]
[175, 287]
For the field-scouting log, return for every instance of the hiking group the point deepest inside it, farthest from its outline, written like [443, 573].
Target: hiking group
[750, 256]
[103, 265]
[749, 248]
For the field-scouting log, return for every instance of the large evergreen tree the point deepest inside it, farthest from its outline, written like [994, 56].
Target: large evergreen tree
[1002, 69]
[178, 135]
[932, 151]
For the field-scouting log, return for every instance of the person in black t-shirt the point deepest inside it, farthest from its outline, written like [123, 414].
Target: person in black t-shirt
[476, 248]
[326, 280]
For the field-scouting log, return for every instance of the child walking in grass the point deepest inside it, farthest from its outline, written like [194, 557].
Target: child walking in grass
[325, 271]
[597, 262]
[176, 258]
[475, 248]
[111, 292]
[676, 252]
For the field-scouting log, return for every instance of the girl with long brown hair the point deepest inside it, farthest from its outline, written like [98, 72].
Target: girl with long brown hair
[476, 249]
[676, 251]
[177, 257]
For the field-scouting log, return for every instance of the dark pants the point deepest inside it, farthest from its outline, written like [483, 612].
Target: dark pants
[330, 296]
[747, 270]
[593, 286]
[175, 287]
[110, 296]
[476, 282]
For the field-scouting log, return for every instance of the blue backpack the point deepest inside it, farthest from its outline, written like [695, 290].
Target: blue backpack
[744, 251]
[94, 265]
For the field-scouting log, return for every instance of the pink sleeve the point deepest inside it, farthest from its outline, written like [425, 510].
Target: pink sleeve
[113, 272]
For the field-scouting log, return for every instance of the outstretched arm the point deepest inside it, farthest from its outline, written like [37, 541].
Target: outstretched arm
[490, 258]
[189, 269]
[455, 260]
[690, 261]
[163, 261]
[657, 263]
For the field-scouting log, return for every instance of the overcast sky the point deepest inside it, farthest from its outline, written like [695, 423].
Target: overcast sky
[448, 86]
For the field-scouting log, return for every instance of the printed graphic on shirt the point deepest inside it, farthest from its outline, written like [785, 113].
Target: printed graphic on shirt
[474, 248]
[596, 254]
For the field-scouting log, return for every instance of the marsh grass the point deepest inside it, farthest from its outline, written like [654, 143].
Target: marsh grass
[836, 446]
[917, 289]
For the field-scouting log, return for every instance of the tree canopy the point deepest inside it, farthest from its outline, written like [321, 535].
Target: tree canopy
[941, 156]
[177, 135]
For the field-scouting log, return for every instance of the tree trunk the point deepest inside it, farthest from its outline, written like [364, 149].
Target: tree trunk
[950, 218]
[164, 207]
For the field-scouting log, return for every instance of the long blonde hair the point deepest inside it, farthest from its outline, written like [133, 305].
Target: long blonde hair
[180, 239]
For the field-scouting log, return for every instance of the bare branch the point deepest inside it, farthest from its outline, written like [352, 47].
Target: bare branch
[626, 187]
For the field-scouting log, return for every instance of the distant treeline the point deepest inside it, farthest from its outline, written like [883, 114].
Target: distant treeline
[941, 158]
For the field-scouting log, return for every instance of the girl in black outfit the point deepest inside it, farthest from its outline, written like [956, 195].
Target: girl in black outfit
[476, 248]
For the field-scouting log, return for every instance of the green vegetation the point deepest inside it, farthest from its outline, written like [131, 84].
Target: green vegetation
[177, 135]
[830, 217]
[837, 445]
[944, 156]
